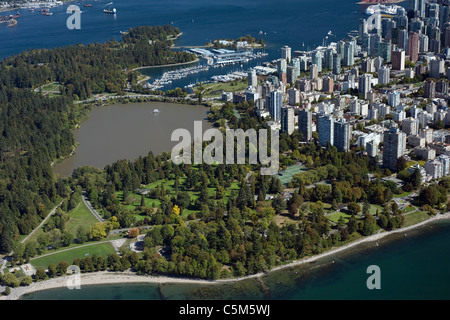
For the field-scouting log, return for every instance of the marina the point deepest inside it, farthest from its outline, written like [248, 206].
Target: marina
[220, 57]
[170, 76]
[215, 58]
[237, 75]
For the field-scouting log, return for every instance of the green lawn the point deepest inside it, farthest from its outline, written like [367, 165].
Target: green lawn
[373, 209]
[404, 194]
[51, 89]
[336, 216]
[408, 209]
[415, 217]
[215, 89]
[80, 216]
[101, 249]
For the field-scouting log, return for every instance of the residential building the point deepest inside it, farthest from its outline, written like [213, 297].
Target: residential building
[342, 135]
[394, 142]
[325, 124]
[413, 46]
[305, 124]
[287, 120]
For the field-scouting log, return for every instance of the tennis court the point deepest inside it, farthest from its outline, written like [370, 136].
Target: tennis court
[287, 175]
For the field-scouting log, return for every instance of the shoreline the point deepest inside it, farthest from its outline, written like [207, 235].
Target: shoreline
[106, 277]
[167, 65]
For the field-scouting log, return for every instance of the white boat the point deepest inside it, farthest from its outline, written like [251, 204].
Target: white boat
[155, 111]
[110, 11]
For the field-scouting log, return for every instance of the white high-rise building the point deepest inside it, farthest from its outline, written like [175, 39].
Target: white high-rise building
[252, 78]
[394, 98]
[384, 75]
[364, 84]
[286, 53]
[287, 120]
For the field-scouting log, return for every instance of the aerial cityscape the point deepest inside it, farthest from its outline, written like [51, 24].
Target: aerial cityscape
[94, 191]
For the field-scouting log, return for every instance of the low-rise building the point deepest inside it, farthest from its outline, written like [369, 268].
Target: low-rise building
[416, 141]
[425, 153]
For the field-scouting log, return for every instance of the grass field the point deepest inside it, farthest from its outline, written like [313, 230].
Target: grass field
[373, 209]
[401, 195]
[80, 216]
[101, 249]
[415, 217]
[215, 89]
[408, 209]
[336, 216]
[51, 89]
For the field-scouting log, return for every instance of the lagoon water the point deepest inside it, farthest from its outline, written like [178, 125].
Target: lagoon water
[127, 131]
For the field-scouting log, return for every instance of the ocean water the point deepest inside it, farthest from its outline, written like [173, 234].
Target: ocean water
[413, 266]
[301, 24]
[283, 22]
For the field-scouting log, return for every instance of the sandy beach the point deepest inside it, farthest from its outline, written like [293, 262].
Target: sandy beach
[106, 277]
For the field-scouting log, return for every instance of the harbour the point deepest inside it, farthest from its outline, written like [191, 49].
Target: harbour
[209, 61]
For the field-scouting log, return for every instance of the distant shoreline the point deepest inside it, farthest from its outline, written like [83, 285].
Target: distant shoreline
[167, 65]
[105, 277]
[385, 3]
